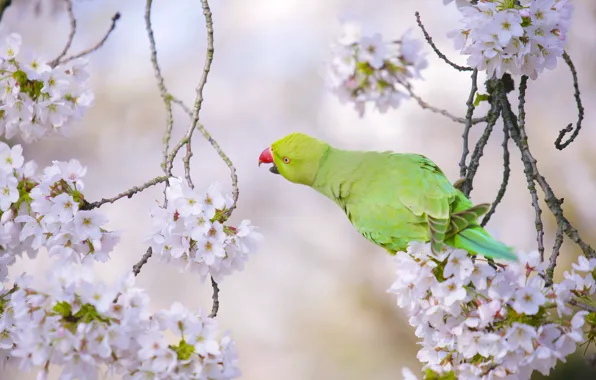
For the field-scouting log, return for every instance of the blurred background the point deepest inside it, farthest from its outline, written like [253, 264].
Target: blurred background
[312, 304]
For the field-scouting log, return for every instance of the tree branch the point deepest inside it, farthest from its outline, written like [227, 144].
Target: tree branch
[183, 106]
[505, 181]
[73, 30]
[494, 113]
[195, 117]
[168, 99]
[95, 47]
[128, 193]
[521, 139]
[582, 305]
[550, 271]
[215, 299]
[436, 50]
[580, 109]
[528, 170]
[136, 269]
[468, 121]
[163, 91]
[426, 106]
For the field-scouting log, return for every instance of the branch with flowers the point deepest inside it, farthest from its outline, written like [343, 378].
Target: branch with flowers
[75, 322]
[477, 319]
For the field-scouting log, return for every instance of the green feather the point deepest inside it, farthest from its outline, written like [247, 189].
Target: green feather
[477, 240]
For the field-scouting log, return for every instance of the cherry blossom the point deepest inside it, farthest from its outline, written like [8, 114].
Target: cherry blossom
[368, 69]
[515, 37]
[488, 321]
[37, 100]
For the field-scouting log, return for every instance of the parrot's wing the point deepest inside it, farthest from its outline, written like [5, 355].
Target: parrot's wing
[386, 222]
[427, 191]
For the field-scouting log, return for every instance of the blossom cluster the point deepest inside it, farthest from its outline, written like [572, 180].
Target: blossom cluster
[43, 211]
[80, 324]
[367, 69]
[37, 100]
[519, 37]
[190, 232]
[479, 320]
[75, 322]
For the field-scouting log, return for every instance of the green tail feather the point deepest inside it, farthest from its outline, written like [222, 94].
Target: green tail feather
[461, 220]
[476, 240]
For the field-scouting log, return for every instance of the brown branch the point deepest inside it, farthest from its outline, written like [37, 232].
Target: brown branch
[468, 184]
[583, 305]
[528, 169]
[468, 121]
[95, 47]
[580, 109]
[505, 181]
[215, 298]
[426, 106]
[128, 193]
[436, 50]
[136, 269]
[73, 30]
[554, 204]
[550, 271]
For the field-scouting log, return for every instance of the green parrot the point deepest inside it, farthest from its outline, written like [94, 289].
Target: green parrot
[390, 198]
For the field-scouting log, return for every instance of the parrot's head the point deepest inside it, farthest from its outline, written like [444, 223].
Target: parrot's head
[296, 157]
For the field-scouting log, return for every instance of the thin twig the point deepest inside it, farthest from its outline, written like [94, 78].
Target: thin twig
[186, 162]
[4, 4]
[426, 106]
[468, 121]
[182, 105]
[582, 305]
[163, 91]
[505, 181]
[528, 168]
[95, 47]
[73, 30]
[479, 148]
[128, 193]
[136, 269]
[436, 50]
[521, 140]
[197, 109]
[550, 271]
[189, 153]
[199, 90]
[215, 298]
[195, 124]
[580, 108]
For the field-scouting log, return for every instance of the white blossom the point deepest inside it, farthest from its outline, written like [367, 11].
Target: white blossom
[37, 100]
[370, 70]
[79, 325]
[502, 36]
[487, 323]
[189, 233]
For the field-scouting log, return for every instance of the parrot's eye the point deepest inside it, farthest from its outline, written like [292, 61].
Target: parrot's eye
[286, 160]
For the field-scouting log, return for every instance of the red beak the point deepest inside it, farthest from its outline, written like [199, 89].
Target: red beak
[266, 157]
